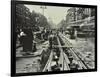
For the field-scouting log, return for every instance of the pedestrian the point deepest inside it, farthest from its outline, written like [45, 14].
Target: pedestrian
[75, 34]
[27, 40]
[34, 47]
[51, 40]
[23, 39]
[21, 35]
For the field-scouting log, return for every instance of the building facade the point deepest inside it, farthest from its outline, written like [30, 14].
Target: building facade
[76, 16]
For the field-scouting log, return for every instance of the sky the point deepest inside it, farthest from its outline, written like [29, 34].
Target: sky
[55, 13]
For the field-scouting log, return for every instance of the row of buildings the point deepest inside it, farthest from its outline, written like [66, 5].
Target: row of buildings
[75, 13]
[81, 17]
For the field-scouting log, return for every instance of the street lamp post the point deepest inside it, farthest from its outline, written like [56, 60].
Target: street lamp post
[43, 7]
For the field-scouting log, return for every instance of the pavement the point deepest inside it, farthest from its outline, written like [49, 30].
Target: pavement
[40, 48]
[29, 63]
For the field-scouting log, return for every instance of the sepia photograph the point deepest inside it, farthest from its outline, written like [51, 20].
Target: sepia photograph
[54, 38]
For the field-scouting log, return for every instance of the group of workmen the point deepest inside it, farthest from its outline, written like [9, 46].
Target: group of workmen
[26, 39]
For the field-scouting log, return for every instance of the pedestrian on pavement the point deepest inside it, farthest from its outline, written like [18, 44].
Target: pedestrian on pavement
[27, 40]
[23, 39]
[75, 34]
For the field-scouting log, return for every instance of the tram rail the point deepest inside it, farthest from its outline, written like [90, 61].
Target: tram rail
[63, 60]
[79, 60]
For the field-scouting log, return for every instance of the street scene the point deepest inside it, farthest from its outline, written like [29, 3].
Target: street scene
[54, 38]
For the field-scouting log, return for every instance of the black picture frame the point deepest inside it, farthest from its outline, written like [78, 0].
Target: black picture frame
[13, 35]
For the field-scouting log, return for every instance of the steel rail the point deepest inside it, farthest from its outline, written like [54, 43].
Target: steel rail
[48, 64]
[63, 58]
[79, 60]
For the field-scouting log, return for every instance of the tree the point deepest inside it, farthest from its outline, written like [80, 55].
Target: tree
[42, 20]
[22, 16]
[27, 19]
